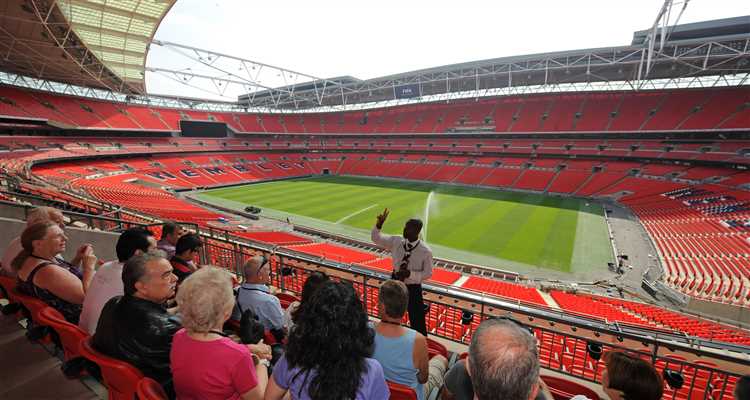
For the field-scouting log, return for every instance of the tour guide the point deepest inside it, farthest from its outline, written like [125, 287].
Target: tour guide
[412, 264]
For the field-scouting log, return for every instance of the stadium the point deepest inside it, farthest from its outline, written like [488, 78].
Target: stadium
[600, 196]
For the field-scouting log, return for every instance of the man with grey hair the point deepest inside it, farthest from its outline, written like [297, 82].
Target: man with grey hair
[255, 295]
[35, 216]
[136, 327]
[503, 363]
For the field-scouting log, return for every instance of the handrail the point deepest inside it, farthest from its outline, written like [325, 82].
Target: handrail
[674, 340]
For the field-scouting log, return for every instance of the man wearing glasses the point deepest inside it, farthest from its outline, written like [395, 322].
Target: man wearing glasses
[412, 264]
[255, 295]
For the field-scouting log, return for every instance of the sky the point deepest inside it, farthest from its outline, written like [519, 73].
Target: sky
[328, 38]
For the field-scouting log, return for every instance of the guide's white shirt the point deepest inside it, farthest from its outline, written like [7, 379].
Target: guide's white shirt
[420, 262]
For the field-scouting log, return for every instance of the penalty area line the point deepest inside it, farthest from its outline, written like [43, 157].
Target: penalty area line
[355, 213]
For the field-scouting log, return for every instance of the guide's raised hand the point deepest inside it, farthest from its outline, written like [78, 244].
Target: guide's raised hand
[381, 219]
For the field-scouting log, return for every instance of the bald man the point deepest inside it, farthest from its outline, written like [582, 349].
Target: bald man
[503, 363]
[255, 295]
[35, 216]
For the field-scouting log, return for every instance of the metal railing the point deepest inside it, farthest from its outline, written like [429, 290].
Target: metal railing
[709, 369]
[566, 340]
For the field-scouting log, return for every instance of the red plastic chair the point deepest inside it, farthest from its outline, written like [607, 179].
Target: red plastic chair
[32, 304]
[120, 378]
[401, 392]
[7, 283]
[149, 389]
[286, 299]
[563, 389]
[434, 348]
[70, 335]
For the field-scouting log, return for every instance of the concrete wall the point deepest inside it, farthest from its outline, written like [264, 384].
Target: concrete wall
[103, 242]
[721, 311]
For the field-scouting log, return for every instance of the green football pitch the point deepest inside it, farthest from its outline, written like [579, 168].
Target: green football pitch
[522, 229]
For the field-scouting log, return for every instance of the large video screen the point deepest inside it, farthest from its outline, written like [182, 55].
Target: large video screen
[203, 128]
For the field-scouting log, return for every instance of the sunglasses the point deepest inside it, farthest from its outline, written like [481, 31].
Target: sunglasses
[263, 261]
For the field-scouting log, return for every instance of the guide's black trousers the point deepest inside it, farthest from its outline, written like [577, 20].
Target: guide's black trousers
[416, 309]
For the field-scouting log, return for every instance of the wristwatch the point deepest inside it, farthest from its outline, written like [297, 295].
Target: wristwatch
[260, 361]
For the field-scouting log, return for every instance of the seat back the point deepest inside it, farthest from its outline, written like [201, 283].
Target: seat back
[563, 389]
[6, 284]
[149, 389]
[32, 304]
[401, 392]
[120, 378]
[70, 335]
[286, 299]
[434, 348]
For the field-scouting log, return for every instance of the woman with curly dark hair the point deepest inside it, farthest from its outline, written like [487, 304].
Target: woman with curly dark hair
[328, 353]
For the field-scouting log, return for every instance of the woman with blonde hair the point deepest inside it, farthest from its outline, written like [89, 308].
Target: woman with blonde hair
[40, 275]
[206, 364]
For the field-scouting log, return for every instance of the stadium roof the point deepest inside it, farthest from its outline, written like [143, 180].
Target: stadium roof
[716, 48]
[118, 32]
[80, 46]
[93, 43]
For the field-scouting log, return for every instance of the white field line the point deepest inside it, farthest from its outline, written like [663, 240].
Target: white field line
[355, 213]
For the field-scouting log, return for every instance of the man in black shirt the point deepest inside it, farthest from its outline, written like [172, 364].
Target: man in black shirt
[136, 327]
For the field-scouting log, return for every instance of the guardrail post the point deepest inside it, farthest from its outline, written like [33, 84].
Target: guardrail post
[364, 292]
[237, 258]
[279, 273]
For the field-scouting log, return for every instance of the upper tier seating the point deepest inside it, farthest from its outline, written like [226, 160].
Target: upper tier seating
[690, 109]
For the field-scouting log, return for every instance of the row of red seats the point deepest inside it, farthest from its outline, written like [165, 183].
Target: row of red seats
[712, 151]
[702, 256]
[716, 108]
[351, 166]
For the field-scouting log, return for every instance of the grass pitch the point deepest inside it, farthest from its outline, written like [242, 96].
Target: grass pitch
[530, 229]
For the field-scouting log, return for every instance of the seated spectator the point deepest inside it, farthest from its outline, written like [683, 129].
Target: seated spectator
[742, 388]
[312, 283]
[41, 275]
[171, 232]
[107, 281]
[136, 326]
[628, 377]
[395, 343]
[188, 247]
[503, 361]
[255, 295]
[458, 385]
[205, 363]
[35, 216]
[327, 355]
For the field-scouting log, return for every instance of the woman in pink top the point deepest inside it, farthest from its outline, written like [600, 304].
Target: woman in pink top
[205, 363]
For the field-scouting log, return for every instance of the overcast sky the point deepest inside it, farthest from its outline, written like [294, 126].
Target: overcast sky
[370, 39]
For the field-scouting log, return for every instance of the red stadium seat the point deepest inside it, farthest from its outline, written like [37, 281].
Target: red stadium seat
[32, 304]
[401, 392]
[120, 378]
[436, 348]
[149, 389]
[70, 335]
[563, 389]
[286, 299]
